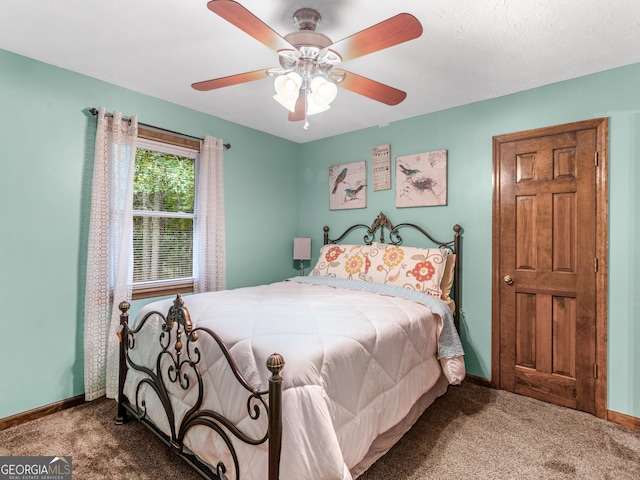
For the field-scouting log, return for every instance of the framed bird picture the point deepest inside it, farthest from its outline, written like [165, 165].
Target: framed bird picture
[421, 180]
[348, 186]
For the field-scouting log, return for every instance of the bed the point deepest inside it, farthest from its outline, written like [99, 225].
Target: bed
[314, 377]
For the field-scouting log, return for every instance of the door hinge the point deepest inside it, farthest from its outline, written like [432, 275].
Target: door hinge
[595, 265]
[596, 158]
[595, 370]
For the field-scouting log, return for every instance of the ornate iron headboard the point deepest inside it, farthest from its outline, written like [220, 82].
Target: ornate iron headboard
[382, 222]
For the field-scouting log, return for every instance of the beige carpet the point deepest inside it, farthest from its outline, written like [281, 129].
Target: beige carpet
[472, 433]
[480, 433]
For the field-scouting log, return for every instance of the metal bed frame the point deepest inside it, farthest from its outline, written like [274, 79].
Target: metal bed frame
[179, 342]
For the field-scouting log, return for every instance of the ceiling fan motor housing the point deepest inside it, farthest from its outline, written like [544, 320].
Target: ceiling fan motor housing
[307, 19]
[309, 45]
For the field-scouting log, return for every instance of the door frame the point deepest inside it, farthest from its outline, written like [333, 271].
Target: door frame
[602, 247]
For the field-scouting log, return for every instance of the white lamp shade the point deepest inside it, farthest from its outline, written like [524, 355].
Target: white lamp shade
[288, 104]
[287, 86]
[301, 248]
[287, 90]
[313, 107]
[323, 92]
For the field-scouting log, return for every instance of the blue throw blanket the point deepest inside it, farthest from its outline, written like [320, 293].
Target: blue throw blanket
[449, 345]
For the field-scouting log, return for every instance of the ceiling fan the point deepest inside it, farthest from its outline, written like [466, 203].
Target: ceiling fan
[307, 80]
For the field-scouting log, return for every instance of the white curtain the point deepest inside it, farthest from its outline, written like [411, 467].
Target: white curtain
[110, 251]
[209, 237]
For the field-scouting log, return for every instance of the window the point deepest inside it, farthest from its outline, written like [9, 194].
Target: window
[164, 214]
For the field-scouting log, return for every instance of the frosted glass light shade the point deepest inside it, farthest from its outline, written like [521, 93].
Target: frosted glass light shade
[287, 90]
[323, 92]
[320, 92]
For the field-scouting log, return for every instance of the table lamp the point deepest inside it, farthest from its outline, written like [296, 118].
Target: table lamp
[301, 251]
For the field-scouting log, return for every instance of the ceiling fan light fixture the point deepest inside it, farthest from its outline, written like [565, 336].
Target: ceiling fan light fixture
[287, 86]
[313, 107]
[288, 104]
[287, 90]
[307, 82]
[323, 91]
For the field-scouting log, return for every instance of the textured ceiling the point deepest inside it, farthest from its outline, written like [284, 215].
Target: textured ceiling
[470, 50]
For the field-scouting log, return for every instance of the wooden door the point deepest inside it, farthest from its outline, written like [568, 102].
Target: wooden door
[547, 258]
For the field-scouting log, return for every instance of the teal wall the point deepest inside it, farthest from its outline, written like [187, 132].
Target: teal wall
[46, 153]
[466, 132]
[45, 200]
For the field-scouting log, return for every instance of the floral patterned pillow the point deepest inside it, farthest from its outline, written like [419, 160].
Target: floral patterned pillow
[419, 269]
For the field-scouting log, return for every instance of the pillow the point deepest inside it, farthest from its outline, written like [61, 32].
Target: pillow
[447, 277]
[419, 269]
[447, 281]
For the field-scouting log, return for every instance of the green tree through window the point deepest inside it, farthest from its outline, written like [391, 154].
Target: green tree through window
[163, 217]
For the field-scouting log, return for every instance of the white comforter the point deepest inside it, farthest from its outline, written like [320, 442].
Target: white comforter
[356, 362]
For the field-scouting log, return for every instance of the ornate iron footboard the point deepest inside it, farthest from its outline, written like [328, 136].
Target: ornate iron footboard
[179, 348]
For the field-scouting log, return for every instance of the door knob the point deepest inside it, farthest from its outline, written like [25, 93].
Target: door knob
[508, 280]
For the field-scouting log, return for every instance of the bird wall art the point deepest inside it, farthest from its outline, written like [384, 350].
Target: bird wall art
[348, 186]
[421, 180]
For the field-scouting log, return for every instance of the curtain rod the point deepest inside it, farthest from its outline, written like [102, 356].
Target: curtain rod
[94, 112]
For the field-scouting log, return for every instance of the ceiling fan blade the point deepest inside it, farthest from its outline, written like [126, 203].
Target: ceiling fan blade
[246, 21]
[230, 80]
[371, 89]
[393, 31]
[301, 107]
